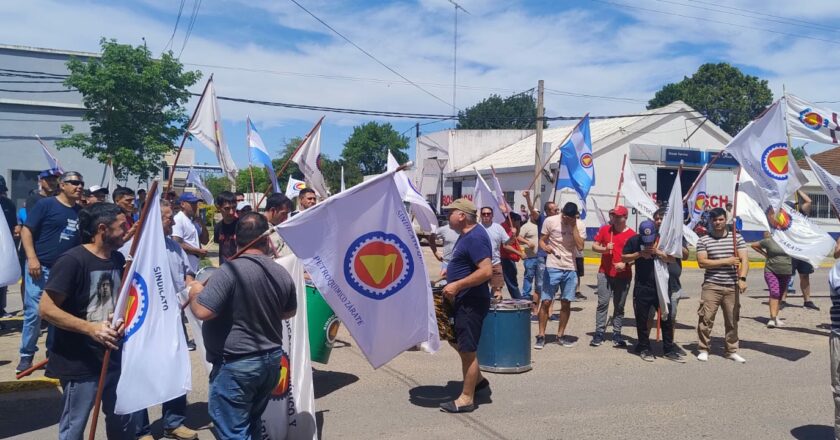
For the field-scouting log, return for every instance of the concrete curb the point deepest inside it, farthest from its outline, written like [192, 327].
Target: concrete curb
[14, 386]
[693, 264]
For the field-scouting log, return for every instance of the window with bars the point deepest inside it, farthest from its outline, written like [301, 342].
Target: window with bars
[820, 206]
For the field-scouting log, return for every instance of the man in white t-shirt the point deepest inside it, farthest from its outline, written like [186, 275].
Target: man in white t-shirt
[498, 237]
[188, 233]
[562, 238]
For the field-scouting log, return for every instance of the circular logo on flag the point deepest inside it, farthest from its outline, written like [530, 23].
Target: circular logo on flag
[284, 382]
[378, 265]
[331, 328]
[137, 305]
[774, 161]
[699, 203]
[781, 220]
[586, 160]
[299, 186]
[812, 120]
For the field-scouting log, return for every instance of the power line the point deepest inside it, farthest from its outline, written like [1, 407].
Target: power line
[371, 55]
[193, 17]
[175, 29]
[788, 34]
[38, 91]
[809, 23]
[584, 95]
[773, 19]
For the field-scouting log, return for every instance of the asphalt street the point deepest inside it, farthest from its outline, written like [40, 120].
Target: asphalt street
[581, 392]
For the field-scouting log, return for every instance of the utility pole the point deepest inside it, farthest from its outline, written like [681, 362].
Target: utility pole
[455, 56]
[538, 161]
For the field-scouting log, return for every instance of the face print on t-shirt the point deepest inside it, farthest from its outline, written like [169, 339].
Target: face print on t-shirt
[102, 296]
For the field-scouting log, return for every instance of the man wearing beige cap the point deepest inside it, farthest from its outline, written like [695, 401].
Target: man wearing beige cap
[467, 274]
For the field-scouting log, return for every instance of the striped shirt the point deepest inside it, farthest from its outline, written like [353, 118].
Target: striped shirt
[718, 248]
[834, 285]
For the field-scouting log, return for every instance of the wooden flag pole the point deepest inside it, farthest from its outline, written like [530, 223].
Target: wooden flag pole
[507, 214]
[186, 135]
[620, 181]
[735, 245]
[286, 164]
[700, 176]
[106, 359]
[568, 135]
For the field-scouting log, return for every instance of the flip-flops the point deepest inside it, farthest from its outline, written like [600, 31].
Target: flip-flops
[451, 407]
[482, 385]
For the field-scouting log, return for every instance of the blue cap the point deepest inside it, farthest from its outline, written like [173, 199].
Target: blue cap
[188, 197]
[647, 231]
[49, 173]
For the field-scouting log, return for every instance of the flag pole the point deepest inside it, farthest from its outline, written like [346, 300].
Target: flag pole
[106, 359]
[507, 214]
[569, 134]
[556, 176]
[702, 173]
[735, 244]
[286, 164]
[186, 135]
[620, 181]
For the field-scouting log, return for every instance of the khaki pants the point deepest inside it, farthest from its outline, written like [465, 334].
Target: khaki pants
[834, 347]
[713, 296]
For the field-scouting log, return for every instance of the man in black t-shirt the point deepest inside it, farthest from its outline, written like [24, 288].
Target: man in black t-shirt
[81, 291]
[47, 187]
[224, 234]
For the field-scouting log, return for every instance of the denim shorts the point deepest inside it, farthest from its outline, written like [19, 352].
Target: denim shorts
[559, 279]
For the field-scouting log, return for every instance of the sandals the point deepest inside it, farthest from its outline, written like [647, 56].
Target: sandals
[451, 407]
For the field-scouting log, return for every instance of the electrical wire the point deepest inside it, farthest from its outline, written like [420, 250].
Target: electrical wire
[584, 95]
[175, 29]
[372, 57]
[772, 20]
[809, 23]
[193, 17]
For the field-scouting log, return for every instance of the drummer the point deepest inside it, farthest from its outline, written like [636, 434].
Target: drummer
[467, 275]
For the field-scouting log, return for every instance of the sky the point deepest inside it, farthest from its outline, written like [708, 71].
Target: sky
[604, 57]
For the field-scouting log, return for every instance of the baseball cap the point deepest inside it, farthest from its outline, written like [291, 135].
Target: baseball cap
[647, 231]
[463, 205]
[242, 205]
[619, 210]
[49, 173]
[71, 175]
[97, 188]
[570, 209]
[188, 197]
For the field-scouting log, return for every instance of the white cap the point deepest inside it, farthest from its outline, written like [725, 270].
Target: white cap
[242, 205]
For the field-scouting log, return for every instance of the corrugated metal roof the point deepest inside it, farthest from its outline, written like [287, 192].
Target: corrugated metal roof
[521, 153]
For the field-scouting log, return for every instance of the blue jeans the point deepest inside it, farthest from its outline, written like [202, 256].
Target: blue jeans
[561, 280]
[509, 272]
[78, 400]
[31, 319]
[534, 270]
[173, 416]
[239, 393]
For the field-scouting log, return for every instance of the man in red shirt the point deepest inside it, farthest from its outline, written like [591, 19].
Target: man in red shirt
[510, 253]
[614, 276]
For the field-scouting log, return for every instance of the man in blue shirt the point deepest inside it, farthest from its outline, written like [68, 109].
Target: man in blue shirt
[466, 276]
[51, 228]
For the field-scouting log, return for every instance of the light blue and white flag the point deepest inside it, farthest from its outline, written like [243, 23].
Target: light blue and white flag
[194, 179]
[259, 154]
[576, 158]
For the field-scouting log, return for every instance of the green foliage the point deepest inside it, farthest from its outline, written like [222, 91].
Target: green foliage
[217, 184]
[722, 92]
[367, 148]
[332, 174]
[798, 152]
[261, 182]
[514, 112]
[135, 107]
[292, 169]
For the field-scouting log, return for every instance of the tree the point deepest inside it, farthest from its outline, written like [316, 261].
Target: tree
[217, 184]
[798, 152]
[722, 93]
[514, 112]
[134, 105]
[261, 182]
[368, 148]
[332, 174]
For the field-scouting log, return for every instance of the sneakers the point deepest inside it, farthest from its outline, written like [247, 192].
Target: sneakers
[619, 342]
[565, 341]
[540, 343]
[703, 356]
[811, 305]
[779, 322]
[646, 356]
[191, 345]
[675, 357]
[771, 323]
[24, 364]
[579, 296]
[735, 357]
[180, 433]
[597, 340]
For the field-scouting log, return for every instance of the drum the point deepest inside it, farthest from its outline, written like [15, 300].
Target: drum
[505, 345]
[204, 273]
[443, 312]
[322, 324]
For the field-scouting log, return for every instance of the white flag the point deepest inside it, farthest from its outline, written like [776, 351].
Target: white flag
[206, 126]
[762, 150]
[496, 186]
[671, 229]
[830, 184]
[697, 201]
[290, 413]
[424, 214]
[370, 270]
[308, 159]
[293, 187]
[155, 362]
[635, 195]
[194, 179]
[660, 274]
[343, 186]
[806, 121]
[601, 217]
[52, 162]
[9, 266]
[795, 233]
[483, 197]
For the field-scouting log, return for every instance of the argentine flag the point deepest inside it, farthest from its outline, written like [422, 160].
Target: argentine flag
[577, 165]
[259, 154]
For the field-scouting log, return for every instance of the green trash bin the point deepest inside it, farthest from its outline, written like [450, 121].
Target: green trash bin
[322, 324]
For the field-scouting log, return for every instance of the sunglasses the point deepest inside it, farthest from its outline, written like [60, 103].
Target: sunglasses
[486, 214]
[75, 182]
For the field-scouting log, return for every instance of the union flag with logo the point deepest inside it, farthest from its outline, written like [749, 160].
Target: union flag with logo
[362, 254]
[155, 362]
[807, 121]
